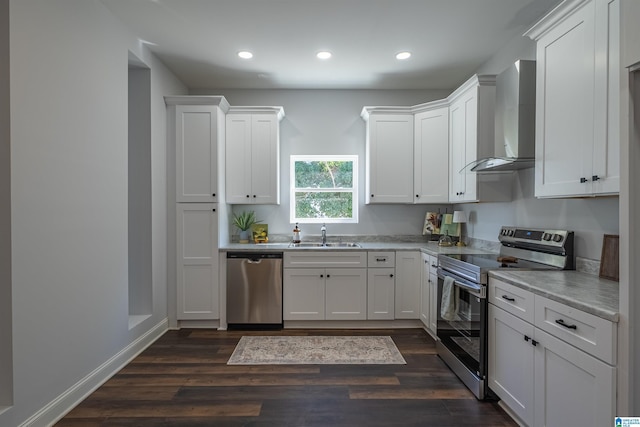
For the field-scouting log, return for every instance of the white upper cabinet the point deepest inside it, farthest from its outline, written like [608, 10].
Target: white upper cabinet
[253, 155]
[577, 111]
[389, 155]
[197, 124]
[471, 136]
[431, 154]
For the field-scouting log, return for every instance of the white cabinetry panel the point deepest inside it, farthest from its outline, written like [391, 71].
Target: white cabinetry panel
[197, 266]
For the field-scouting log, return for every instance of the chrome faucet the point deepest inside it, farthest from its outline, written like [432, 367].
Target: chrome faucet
[323, 230]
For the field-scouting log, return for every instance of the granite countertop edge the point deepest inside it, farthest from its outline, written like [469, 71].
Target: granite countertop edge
[430, 248]
[575, 289]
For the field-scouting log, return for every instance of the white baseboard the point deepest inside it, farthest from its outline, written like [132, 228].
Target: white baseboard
[63, 404]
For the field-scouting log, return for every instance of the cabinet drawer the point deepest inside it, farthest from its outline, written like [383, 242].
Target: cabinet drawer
[511, 299]
[381, 259]
[585, 331]
[324, 259]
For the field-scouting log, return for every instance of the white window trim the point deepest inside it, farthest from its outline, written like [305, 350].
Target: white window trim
[292, 189]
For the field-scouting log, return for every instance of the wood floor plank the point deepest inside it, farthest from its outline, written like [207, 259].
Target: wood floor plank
[162, 409]
[409, 393]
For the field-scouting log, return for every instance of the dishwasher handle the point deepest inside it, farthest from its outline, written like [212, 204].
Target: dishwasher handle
[254, 256]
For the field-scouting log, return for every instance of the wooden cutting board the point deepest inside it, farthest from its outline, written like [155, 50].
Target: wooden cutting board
[609, 265]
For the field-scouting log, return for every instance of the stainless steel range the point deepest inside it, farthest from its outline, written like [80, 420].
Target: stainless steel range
[462, 295]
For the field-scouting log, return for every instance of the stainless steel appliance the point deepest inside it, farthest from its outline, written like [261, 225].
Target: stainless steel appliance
[462, 295]
[254, 290]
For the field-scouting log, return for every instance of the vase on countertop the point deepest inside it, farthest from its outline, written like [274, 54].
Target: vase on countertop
[244, 236]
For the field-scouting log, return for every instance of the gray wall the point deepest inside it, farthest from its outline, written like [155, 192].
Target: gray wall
[69, 199]
[6, 363]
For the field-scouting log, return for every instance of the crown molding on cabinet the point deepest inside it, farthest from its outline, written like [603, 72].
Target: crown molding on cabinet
[553, 18]
[476, 80]
[257, 110]
[219, 101]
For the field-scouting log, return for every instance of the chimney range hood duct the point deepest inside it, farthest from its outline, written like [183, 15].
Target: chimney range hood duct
[514, 120]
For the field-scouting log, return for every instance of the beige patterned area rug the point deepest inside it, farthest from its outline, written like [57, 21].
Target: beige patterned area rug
[311, 350]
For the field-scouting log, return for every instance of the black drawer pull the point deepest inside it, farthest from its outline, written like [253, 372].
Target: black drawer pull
[508, 298]
[391, 275]
[526, 338]
[534, 342]
[381, 259]
[561, 323]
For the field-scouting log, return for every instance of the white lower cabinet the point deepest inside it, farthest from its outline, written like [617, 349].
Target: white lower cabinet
[542, 379]
[324, 292]
[303, 293]
[429, 293]
[408, 280]
[425, 291]
[381, 288]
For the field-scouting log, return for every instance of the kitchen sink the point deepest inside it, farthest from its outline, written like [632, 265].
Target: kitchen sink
[325, 245]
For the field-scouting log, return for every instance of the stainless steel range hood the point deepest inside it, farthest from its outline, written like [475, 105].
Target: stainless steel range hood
[514, 120]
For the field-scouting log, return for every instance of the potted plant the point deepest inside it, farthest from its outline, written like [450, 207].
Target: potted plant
[244, 221]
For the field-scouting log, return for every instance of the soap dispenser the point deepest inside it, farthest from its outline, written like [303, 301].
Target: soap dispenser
[296, 234]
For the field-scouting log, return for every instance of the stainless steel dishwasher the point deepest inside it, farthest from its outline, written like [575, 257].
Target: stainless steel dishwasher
[254, 290]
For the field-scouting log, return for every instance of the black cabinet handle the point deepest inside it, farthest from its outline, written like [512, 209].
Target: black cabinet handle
[534, 342]
[213, 210]
[417, 195]
[595, 178]
[254, 196]
[562, 323]
[508, 298]
[214, 194]
[583, 180]
[372, 195]
[526, 338]
[391, 275]
[247, 196]
[381, 259]
[322, 275]
[328, 275]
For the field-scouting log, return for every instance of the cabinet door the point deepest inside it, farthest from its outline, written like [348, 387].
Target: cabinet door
[303, 293]
[389, 154]
[608, 75]
[380, 293]
[463, 121]
[346, 294]
[197, 266]
[238, 159]
[265, 159]
[571, 387]
[511, 362]
[433, 311]
[425, 291]
[431, 156]
[196, 153]
[565, 106]
[408, 272]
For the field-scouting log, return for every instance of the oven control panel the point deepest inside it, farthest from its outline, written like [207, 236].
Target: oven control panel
[538, 237]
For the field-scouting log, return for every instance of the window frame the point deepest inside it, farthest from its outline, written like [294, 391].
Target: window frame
[293, 189]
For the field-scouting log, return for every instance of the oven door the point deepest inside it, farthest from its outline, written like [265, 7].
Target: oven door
[462, 326]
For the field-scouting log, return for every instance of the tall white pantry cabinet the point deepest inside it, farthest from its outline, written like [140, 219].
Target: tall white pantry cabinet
[197, 125]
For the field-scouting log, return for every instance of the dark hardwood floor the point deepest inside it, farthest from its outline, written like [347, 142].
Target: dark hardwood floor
[183, 380]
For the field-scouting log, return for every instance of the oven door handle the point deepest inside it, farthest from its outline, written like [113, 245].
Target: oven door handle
[475, 290]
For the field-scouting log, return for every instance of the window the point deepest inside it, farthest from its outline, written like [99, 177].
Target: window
[324, 189]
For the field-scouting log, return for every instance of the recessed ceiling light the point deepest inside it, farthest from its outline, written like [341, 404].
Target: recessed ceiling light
[323, 54]
[403, 55]
[245, 54]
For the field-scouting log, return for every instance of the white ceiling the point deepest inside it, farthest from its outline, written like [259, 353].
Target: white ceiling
[199, 40]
